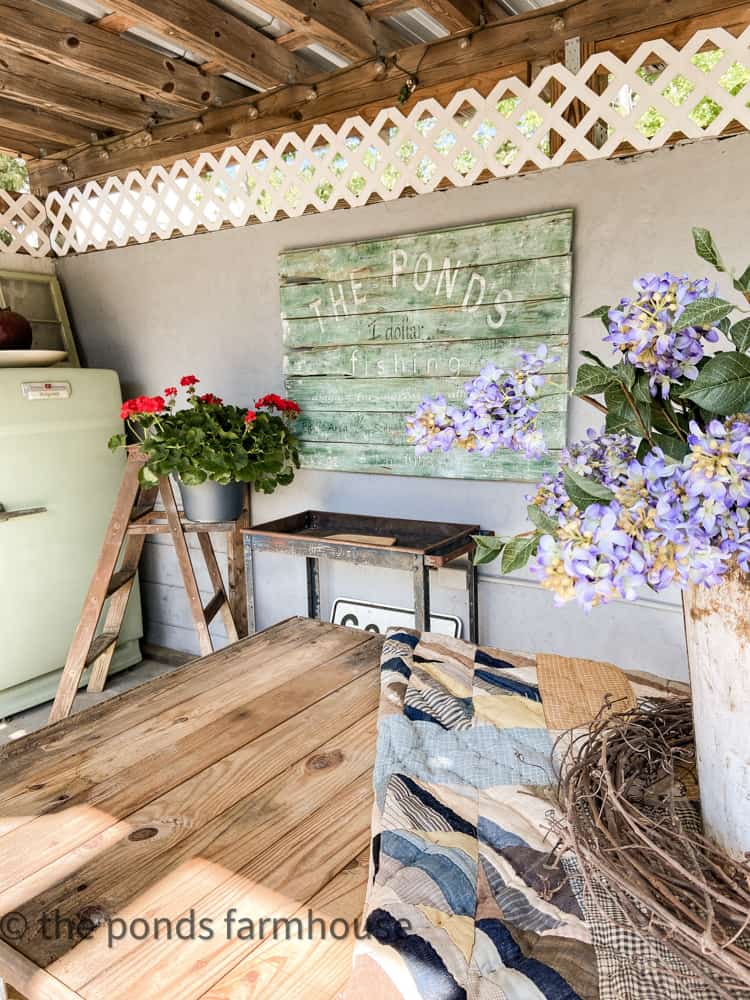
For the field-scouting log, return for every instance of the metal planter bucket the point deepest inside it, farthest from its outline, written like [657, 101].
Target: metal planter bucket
[211, 501]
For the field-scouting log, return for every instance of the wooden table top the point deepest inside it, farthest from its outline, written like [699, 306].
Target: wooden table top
[239, 784]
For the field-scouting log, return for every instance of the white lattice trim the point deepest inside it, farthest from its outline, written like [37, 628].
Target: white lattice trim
[23, 225]
[497, 135]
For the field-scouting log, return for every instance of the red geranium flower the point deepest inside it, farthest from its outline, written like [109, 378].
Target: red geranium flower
[141, 404]
[189, 380]
[250, 416]
[171, 390]
[208, 397]
[278, 403]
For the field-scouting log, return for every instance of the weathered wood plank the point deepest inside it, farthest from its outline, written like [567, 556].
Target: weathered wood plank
[420, 315]
[52, 747]
[467, 286]
[401, 461]
[341, 26]
[450, 359]
[400, 395]
[546, 317]
[219, 36]
[317, 966]
[189, 820]
[64, 92]
[114, 776]
[19, 972]
[43, 33]
[510, 239]
[290, 871]
[390, 428]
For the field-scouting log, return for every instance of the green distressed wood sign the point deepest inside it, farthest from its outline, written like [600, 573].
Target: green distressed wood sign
[372, 328]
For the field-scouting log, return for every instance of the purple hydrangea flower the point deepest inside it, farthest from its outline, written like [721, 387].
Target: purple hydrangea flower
[642, 328]
[670, 523]
[499, 413]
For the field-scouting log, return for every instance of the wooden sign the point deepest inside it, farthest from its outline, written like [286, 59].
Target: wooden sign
[372, 328]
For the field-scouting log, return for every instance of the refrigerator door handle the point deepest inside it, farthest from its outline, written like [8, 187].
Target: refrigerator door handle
[7, 515]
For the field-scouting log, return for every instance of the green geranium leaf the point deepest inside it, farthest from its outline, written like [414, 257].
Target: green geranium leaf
[582, 492]
[541, 520]
[742, 284]
[592, 380]
[592, 357]
[116, 441]
[518, 551]
[703, 312]
[488, 548]
[723, 386]
[706, 248]
[148, 477]
[740, 334]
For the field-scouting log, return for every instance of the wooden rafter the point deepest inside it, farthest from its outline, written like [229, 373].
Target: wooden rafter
[40, 32]
[221, 37]
[341, 25]
[455, 15]
[19, 143]
[490, 53]
[42, 127]
[63, 92]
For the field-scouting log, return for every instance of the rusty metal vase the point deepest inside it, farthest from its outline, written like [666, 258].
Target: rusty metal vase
[717, 628]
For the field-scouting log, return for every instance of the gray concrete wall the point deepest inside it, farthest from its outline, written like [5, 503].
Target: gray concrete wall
[209, 304]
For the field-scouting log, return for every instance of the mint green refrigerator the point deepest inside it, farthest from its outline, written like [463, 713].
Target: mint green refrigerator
[54, 427]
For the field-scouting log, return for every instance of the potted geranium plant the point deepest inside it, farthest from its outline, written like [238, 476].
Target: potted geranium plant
[212, 448]
[659, 496]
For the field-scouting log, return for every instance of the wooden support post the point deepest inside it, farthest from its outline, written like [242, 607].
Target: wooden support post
[421, 594]
[97, 592]
[117, 607]
[220, 594]
[133, 518]
[239, 598]
[186, 567]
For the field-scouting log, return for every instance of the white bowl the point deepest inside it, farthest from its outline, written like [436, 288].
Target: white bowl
[31, 359]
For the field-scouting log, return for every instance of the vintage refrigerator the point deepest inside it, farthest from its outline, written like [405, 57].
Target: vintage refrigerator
[54, 428]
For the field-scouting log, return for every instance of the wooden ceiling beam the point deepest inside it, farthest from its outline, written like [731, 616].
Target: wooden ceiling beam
[42, 33]
[18, 143]
[62, 92]
[115, 23]
[455, 15]
[220, 37]
[42, 127]
[294, 40]
[341, 25]
[518, 40]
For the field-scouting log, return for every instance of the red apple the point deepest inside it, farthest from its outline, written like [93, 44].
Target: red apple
[15, 331]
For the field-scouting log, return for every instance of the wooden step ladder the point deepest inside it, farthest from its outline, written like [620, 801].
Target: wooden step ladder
[133, 518]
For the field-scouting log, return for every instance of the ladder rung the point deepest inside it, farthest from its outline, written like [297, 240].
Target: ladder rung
[100, 645]
[213, 606]
[142, 510]
[119, 579]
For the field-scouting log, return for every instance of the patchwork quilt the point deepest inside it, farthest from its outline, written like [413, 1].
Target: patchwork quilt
[465, 899]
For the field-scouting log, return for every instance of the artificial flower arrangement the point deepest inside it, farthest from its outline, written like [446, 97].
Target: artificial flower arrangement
[659, 495]
[210, 440]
